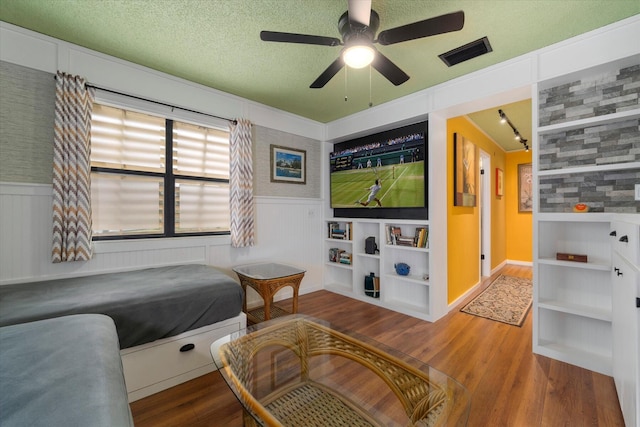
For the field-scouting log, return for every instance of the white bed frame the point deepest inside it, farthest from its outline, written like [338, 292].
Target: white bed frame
[159, 365]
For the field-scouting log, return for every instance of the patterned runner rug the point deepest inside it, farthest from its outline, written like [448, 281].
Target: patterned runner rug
[507, 299]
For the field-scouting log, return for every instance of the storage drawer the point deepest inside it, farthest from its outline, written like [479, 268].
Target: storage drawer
[160, 360]
[627, 240]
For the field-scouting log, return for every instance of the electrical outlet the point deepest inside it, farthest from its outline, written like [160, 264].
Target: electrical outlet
[637, 191]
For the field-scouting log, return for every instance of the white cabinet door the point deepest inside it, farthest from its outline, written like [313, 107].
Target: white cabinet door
[626, 334]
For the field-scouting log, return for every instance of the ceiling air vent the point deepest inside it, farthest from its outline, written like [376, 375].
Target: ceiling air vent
[466, 52]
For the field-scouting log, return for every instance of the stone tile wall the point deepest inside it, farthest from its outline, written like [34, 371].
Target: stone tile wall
[617, 142]
[607, 191]
[597, 95]
[595, 145]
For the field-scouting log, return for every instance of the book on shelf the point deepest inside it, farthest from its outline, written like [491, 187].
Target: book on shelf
[422, 237]
[339, 231]
[405, 241]
[334, 254]
[340, 256]
[345, 258]
[392, 233]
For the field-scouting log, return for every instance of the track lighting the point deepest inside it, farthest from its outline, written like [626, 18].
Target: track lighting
[504, 119]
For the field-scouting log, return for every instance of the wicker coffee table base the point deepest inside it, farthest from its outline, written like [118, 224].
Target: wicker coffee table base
[312, 404]
[257, 314]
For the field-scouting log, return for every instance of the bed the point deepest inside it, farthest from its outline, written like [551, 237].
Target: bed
[65, 371]
[165, 317]
[146, 305]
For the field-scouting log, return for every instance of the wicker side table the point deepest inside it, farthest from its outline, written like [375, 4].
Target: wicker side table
[267, 279]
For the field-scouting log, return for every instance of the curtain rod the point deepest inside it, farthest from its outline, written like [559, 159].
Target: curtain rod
[235, 122]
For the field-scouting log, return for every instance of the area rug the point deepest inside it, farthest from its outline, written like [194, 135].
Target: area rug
[507, 299]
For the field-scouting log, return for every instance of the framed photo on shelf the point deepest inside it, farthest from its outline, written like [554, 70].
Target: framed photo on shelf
[288, 165]
[499, 182]
[525, 188]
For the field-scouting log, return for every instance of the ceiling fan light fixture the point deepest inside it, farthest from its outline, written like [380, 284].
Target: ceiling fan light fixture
[358, 56]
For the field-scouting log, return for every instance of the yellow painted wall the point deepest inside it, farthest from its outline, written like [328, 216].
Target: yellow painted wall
[519, 224]
[464, 222]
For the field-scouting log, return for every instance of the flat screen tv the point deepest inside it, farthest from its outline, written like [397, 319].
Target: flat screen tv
[383, 175]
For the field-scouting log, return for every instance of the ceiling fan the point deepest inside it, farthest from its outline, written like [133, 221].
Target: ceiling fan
[358, 26]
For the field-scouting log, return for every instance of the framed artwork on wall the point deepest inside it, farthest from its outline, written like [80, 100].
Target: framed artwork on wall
[464, 171]
[499, 182]
[525, 188]
[288, 165]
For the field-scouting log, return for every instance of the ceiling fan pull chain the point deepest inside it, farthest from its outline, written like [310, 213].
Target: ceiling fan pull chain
[345, 84]
[370, 103]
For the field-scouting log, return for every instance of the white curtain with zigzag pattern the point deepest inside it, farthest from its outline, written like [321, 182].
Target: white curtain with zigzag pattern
[72, 170]
[241, 185]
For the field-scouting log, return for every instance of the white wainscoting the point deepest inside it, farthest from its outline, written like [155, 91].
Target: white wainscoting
[288, 230]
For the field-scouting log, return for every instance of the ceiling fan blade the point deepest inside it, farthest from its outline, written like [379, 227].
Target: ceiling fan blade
[429, 27]
[360, 11]
[275, 36]
[328, 74]
[388, 69]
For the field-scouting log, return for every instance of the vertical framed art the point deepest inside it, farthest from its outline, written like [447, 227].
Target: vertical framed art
[525, 188]
[499, 182]
[464, 171]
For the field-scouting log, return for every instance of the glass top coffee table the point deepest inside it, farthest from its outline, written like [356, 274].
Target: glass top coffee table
[301, 371]
[267, 279]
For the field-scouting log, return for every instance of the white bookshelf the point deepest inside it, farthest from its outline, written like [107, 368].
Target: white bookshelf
[573, 301]
[411, 294]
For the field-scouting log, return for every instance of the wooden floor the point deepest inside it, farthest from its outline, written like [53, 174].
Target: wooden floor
[510, 386]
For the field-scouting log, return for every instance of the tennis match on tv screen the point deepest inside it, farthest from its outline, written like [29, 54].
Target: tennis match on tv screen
[385, 174]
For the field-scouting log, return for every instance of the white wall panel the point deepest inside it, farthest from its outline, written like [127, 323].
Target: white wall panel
[288, 231]
[272, 118]
[608, 44]
[406, 110]
[503, 77]
[29, 50]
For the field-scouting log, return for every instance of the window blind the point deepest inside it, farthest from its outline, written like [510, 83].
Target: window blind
[130, 175]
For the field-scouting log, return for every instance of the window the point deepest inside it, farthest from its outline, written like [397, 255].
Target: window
[157, 177]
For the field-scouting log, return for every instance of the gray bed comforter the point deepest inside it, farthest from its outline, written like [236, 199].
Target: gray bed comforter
[63, 372]
[145, 305]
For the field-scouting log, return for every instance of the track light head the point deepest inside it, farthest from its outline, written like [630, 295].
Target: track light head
[503, 117]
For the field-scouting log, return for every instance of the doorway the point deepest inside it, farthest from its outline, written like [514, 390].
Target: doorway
[485, 214]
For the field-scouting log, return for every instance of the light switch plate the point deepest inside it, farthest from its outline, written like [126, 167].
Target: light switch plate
[637, 191]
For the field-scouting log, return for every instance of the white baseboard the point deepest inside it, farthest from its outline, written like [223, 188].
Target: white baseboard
[462, 297]
[498, 267]
[523, 263]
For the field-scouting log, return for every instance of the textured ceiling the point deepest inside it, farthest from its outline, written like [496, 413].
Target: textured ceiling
[216, 42]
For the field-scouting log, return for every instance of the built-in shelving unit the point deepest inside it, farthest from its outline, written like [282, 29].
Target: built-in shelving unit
[410, 294]
[573, 299]
[585, 151]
